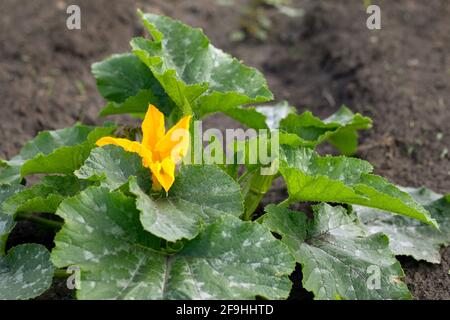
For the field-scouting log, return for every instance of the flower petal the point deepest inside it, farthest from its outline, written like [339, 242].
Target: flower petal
[152, 127]
[164, 173]
[175, 143]
[146, 156]
[127, 145]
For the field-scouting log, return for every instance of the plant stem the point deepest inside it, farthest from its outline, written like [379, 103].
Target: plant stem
[284, 203]
[61, 274]
[50, 224]
[254, 187]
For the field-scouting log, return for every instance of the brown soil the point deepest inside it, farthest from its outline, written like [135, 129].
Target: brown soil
[399, 76]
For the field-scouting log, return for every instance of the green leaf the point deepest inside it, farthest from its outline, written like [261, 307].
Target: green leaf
[310, 177]
[60, 151]
[6, 221]
[129, 86]
[44, 196]
[9, 172]
[113, 167]
[230, 259]
[411, 237]
[25, 272]
[7, 224]
[48, 141]
[199, 196]
[250, 117]
[261, 117]
[339, 259]
[340, 129]
[345, 139]
[275, 113]
[195, 74]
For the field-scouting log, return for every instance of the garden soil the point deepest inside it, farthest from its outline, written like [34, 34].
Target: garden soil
[399, 76]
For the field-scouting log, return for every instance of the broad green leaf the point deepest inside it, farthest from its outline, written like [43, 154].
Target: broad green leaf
[345, 139]
[9, 172]
[136, 105]
[411, 237]
[6, 221]
[195, 74]
[339, 259]
[25, 272]
[310, 177]
[340, 129]
[249, 116]
[60, 151]
[230, 259]
[261, 117]
[275, 113]
[129, 86]
[113, 167]
[48, 141]
[199, 196]
[44, 196]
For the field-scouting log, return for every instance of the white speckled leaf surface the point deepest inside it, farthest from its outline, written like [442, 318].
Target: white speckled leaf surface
[194, 72]
[337, 255]
[230, 259]
[408, 236]
[199, 196]
[25, 272]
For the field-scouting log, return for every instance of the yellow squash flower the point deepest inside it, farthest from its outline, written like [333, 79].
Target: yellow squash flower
[160, 151]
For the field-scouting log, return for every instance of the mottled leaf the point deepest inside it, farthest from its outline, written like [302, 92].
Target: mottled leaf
[339, 259]
[6, 221]
[199, 196]
[195, 74]
[9, 172]
[230, 259]
[411, 237]
[113, 167]
[25, 272]
[275, 113]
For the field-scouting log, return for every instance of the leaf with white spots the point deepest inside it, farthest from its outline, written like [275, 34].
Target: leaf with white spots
[408, 236]
[230, 259]
[275, 113]
[199, 196]
[261, 117]
[194, 73]
[25, 272]
[6, 220]
[311, 177]
[339, 259]
[9, 172]
[113, 167]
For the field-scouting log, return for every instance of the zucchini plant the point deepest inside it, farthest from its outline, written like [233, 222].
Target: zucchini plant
[140, 222]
